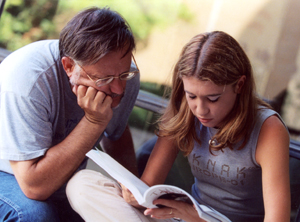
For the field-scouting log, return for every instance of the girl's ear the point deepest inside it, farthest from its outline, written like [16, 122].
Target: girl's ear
[240, 84]
[68, 65]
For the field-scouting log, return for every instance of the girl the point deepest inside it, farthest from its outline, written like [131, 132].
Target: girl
[237, 147]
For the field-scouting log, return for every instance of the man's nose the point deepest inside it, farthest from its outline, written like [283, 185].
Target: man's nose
[116, 86]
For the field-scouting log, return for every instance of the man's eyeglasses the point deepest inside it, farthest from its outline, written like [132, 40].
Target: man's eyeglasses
[124, 76]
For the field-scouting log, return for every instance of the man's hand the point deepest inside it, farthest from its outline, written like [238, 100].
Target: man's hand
[96, 104]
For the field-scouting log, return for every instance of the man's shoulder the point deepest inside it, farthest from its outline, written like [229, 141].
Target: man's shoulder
[47, 43]
[29, 64]
[34, 51]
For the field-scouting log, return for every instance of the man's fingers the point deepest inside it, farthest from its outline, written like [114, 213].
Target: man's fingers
[96, 104]
[81, 91]
[107, 101]
[90, 97]
[91, 93]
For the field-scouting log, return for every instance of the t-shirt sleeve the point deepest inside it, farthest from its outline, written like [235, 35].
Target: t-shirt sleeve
[25, 129]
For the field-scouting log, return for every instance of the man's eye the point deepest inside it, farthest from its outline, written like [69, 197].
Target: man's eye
[213, 98]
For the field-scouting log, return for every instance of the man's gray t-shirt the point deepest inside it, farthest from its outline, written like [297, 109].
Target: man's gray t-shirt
[37, 106]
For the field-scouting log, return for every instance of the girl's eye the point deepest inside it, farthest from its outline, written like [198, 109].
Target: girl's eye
[192, 97]
[213, 99]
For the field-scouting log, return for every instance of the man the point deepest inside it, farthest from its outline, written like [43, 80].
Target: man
[58, 100]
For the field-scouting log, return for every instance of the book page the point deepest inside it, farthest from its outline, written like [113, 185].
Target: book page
[172, 192]
[119, 173]
[157, 191]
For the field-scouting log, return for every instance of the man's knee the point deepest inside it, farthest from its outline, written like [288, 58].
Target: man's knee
[79, 184]
[86, 183]
[74, 187]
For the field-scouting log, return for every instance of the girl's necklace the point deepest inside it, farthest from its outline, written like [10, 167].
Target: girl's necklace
[214, 141]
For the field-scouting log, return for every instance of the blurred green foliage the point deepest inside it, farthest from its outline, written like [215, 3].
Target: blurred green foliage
[155, 88]
[143, 119]
[25, 21]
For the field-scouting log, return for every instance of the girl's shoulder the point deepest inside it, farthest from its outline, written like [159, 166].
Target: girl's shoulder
[264, 113]
[273, 138]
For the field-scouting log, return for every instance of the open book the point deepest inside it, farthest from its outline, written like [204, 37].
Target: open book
[144, 194]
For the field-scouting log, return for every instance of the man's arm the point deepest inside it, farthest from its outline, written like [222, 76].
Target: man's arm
[41, 177]
[122, 150]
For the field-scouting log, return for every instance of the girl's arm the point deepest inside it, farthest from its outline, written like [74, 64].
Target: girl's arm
[158, 166]
[273, 155]
[156, 171]
[160, 162]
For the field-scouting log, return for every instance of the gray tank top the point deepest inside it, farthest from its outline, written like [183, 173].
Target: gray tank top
[229, 181]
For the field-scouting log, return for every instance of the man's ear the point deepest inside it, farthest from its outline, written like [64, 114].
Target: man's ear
[68, 65]
[240, 84]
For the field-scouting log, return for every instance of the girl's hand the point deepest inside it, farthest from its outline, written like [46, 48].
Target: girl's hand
[129, 198]
[174, 209]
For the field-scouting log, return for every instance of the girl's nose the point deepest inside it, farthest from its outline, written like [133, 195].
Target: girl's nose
[202, 110]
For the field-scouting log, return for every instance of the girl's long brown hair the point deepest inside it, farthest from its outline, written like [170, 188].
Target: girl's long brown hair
[219, 58]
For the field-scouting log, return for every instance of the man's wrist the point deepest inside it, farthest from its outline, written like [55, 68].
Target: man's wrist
[94, 121]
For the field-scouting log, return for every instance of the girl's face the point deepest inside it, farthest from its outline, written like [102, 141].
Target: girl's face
[209, 102]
